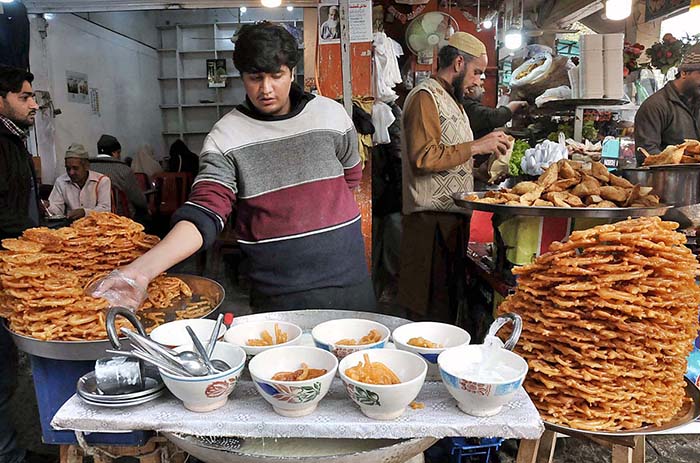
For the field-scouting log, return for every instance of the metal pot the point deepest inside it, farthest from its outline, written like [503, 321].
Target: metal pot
[640, 175]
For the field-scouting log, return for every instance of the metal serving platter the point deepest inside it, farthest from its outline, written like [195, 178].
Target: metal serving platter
[214, 449]
[93, 350]
[546, 211]
[87, 388]
[692, 165]
[688, 413]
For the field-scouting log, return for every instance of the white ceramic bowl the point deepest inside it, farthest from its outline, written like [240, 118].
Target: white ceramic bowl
[385, 402]
[326, 335]
[482, 379]
[441, 333]
[239, 334]
[292, 398]
[207, 393]
[174, 334]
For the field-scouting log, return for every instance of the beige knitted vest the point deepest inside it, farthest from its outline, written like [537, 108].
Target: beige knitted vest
[433, 192]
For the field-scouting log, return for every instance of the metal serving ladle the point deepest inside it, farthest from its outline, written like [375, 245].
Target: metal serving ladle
[501, 321]
[188, 361]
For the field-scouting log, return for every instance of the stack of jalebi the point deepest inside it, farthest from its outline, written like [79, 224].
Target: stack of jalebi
[43, 275]
[609, 318]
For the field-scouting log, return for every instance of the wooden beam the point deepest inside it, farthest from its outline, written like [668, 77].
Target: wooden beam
[564, 12]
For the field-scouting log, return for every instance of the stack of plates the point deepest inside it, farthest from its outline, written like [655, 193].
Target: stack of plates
[87, 390]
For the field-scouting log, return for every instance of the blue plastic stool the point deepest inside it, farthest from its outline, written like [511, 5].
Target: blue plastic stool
[473, 450]
[55, 382]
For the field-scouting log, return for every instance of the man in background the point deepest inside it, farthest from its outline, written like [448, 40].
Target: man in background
[484, 119]
[437, 162]
[671, 115]
[80, 191]
[108, 162]
[19, 210]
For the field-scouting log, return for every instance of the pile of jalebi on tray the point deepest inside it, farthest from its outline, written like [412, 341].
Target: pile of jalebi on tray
[44, 272]
[609, 317]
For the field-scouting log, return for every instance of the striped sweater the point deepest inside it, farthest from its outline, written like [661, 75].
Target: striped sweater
[290, 176]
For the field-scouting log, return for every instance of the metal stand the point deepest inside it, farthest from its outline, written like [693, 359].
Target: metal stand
[156, 450]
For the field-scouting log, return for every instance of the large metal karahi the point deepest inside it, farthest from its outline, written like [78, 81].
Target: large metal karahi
[93, 350]
[543, 211]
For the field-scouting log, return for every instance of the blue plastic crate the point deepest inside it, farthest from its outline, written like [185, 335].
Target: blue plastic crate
[54, 383]
[463, 450]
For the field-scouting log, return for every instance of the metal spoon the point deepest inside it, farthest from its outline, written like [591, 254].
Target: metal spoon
[218, 364]
[200, 348]
[187, 360]
[153, 361]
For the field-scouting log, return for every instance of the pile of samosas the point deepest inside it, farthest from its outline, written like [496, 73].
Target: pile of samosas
[573, 184]
[685, 153]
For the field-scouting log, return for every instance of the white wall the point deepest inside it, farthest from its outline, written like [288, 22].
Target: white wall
[125, 74]
[137, 25]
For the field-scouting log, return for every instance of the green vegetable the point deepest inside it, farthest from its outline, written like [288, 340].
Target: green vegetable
[519, 148]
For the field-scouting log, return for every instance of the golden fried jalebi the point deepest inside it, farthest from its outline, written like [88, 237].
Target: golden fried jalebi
[266, 339]
[372, 373]
[422, 342]
[44, 272]
[609, 317]
[299, 375]
[370, 338]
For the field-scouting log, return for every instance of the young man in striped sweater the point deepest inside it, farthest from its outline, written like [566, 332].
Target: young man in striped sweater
[289, 161]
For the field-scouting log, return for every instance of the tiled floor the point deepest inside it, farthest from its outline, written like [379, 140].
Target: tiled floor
[661, 449]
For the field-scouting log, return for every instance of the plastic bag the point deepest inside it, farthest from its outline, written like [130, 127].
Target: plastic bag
[531, 70]
[537, 159]
[559, 93]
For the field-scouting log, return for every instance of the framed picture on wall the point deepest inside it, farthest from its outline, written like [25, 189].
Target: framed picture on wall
[216, 72]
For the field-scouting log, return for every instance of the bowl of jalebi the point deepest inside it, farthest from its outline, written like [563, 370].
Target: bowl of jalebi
[347, 335]
[429, 339]
[207, 393]
[256, 337]
[293, 379]
[174, 334]
[482, 378]
[383, 382]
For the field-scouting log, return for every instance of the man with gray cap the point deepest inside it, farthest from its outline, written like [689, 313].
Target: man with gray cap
[80, 191]
[672, 114]
[437, 161]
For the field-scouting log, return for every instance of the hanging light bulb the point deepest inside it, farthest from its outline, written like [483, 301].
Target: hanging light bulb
[243, 9]
[616, 10]
[487, 24]
[513, 39]
[271, 3]
[290, 8]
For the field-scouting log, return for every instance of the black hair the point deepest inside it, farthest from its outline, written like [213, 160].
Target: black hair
[447, 55]
[264, 47]
[12, 79]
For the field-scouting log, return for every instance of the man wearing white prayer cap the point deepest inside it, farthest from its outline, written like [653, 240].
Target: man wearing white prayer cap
[437, 162]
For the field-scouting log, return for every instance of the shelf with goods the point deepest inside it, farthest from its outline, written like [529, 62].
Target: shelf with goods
[579, 110]
[188, 104]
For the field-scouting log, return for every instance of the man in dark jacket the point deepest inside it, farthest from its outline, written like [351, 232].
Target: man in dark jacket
[672, 114]
[483, 119]
[19, 210]
[108, 163]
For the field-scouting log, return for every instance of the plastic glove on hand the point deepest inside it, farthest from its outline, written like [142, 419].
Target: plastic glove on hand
[121, 288]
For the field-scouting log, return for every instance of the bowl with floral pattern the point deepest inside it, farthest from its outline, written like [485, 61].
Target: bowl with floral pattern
[338, 336]
[207, 393]
[384, 401]
[429, 339]
[293, 379]
[481, 378]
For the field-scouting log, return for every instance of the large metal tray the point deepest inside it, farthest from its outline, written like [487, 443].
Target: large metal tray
[690, 412]
[545, 211]
[93, 350]
[219, 450]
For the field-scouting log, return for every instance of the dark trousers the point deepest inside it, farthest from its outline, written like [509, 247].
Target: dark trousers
[9, 450]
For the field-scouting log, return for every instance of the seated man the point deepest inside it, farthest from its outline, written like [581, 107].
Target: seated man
[80, 191]
[122, 177]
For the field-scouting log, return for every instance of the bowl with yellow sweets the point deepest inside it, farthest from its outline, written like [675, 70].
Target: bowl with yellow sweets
[344, 336]
[429, 339]
[256, 337]
[383, 382]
